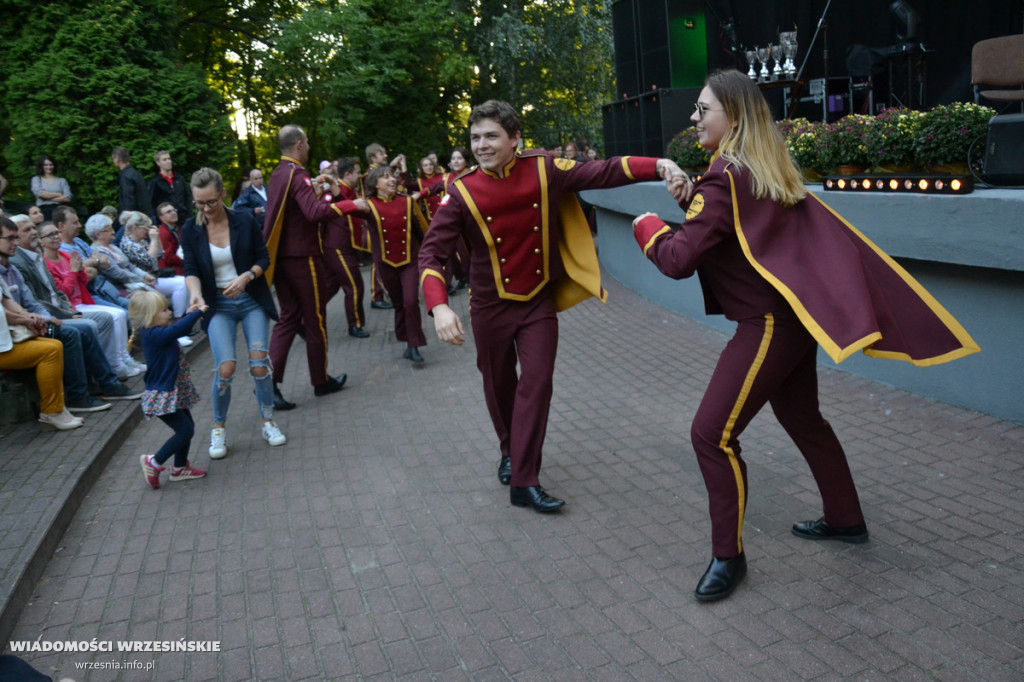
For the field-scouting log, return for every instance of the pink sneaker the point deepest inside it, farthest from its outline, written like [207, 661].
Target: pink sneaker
[186, 472]
[151, 470]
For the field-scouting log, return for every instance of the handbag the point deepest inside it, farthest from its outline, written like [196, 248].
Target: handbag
[20, 332]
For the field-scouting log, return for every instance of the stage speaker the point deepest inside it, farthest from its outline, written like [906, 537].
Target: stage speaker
[665, 113]
[627, 60]
[1004, 150]
[671, 44]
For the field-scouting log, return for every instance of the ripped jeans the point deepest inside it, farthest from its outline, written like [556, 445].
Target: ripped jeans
[223, 333]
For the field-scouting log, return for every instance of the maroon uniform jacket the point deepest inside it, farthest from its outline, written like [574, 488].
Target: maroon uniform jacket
[754, 255]
[525, 230]
[424, 186]
[294, 214]
[395, 228]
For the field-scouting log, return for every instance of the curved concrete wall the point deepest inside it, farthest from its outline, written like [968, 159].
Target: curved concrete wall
[968, 251]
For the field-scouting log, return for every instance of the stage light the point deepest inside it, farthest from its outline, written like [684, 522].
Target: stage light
[920, 183]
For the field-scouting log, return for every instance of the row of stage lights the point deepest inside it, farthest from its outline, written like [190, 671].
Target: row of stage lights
[918, 184]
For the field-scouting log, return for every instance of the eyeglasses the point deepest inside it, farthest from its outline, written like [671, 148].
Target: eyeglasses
[49, 235]
[207, 204]
[9, 238]
[702, 109]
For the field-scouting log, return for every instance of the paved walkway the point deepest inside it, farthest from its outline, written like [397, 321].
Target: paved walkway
[377, 544]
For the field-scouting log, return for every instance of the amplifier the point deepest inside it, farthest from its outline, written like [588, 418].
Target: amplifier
[1004, 150]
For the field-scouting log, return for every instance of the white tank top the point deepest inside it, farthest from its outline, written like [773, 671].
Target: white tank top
[223, 266]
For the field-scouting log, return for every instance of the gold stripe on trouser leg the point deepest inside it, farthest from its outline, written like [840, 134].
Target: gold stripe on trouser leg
[321, 323]
[741, 399]
[352, 281]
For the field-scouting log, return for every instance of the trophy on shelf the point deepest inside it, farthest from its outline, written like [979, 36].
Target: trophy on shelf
[751, 60]
[763, 53]
[788, 41]
[776, 52]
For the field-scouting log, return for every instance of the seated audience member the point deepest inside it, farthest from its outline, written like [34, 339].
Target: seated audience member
[170, 238]
[82, 351]
[44, 355]
[142, 246]
[102, 290]
[253, 198]
[69, 275]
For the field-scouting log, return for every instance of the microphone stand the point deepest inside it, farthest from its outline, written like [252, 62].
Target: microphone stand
[821, 24]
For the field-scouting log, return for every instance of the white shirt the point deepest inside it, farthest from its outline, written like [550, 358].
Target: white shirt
[223, 265]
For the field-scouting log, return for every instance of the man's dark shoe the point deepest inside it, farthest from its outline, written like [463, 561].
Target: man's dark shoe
[534, 496]
[332, 385]
[381, 305]
[820, 530]
[721, 578]
[279, 402]
[505, 470]
[462, 284]
[119, 391]
[412, 353]
[358, 332]
[452, 290]
[86, 404]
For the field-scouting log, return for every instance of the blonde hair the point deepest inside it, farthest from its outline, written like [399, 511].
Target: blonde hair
[754, 141]
[144, 306]
[205, 177]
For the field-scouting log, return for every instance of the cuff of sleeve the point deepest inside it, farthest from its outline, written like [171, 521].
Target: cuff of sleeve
[435, 291]
[641, 167]
[649, 229]
[344, 207]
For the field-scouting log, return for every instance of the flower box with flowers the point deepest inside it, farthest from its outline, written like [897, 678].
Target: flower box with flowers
[946, 133]
[686, 151]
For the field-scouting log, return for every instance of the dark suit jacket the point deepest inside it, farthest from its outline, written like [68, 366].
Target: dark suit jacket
[41, 290]
[247, 249]
[249, 200]
[132, 193]
[160, 191]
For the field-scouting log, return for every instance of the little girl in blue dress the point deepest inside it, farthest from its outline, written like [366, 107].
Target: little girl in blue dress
[169, 392]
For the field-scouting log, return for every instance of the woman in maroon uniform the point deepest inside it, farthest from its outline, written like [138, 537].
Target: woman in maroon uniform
[792, 274]
[396, 226]
[458, 266]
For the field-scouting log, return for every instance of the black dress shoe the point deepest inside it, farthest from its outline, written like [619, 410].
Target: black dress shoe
[721, 578]
[358, 332]
[332, 385]
[820, 530]
[452, 290]
[381, 305]
[279, 402]
[534, 496]
[505, 470]
[411, 353]
[462, 284]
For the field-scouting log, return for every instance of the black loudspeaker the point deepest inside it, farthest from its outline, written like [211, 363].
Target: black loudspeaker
[665, 113]
[622, 128]
[1004, 150]
[624, 33]
[659, 44]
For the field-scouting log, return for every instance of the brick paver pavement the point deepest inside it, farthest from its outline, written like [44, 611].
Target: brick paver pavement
[378, 544]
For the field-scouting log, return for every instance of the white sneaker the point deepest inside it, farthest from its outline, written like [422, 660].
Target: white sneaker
[218, 444]
[272, 434]
[184, 341]
[139, 365]
[62, 421]
[127, 371]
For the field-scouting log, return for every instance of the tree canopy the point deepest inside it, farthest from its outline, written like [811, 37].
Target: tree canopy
[80, 79]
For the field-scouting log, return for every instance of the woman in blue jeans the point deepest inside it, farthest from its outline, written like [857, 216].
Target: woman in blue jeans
[225, 257]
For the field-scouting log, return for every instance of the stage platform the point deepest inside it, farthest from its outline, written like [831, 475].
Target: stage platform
[968, 251]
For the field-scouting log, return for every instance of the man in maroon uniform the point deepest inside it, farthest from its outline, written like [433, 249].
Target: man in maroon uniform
[292, 231]
[531, 256]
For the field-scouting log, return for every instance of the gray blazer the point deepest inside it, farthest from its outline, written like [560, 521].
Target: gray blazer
[42, 289]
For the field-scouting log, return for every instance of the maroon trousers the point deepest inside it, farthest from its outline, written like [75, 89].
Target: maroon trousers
[343, 273]
[300, 283]
[769, 360]
[403, 286]
[527, 332]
